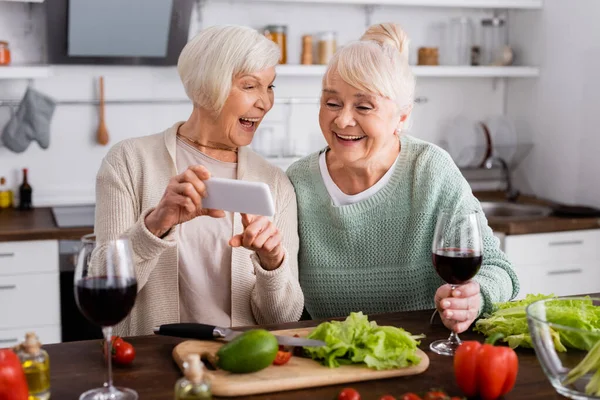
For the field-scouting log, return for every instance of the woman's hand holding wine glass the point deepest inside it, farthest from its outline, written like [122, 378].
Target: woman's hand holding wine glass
[459, 308]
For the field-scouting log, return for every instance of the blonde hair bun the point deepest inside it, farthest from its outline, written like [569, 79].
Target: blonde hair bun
[389, 34]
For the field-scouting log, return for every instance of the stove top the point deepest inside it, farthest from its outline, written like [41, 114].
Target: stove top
[74, 216]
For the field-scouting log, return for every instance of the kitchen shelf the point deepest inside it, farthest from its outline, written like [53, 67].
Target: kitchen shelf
[24, 72]
[24, 1]
[426, 71]
[512, 4]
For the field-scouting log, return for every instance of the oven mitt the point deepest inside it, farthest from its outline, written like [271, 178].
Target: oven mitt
[30, 122]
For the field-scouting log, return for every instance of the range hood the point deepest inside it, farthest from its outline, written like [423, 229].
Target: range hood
[117, 32]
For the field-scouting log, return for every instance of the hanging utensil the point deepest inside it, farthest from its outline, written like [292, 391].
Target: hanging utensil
[102, 132]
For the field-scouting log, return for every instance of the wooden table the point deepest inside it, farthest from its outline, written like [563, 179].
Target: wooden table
[77, 367]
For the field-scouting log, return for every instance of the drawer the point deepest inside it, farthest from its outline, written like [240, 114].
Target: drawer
[564, 280]
[27, 257]
[574, 247]
[29, 300]
[46, 334]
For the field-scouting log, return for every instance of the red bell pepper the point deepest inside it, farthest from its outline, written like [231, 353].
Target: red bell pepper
[485, 370]
[13, 384]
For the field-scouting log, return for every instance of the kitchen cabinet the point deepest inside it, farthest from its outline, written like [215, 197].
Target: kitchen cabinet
[29, 291]
[562, 263]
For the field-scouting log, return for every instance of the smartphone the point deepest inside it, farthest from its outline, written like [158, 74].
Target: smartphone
[239, 196]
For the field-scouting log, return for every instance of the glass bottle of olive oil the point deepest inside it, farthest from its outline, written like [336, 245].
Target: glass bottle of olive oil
[195, 384]
[36, 365]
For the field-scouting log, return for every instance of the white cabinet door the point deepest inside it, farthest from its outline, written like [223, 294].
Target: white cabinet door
[18, 258]
[561, 263]
[29, 291]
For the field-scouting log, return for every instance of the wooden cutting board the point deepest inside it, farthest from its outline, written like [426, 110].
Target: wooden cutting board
[298, 373]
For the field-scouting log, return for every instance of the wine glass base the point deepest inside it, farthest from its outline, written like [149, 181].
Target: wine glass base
[105, 393]
[444, 347]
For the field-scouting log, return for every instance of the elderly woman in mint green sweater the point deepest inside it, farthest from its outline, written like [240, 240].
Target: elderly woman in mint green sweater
[369, 201]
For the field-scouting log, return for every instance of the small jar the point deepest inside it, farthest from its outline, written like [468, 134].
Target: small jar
[4, 53]
[195, 385]
[428, 56]
[493, 41]
[327, 45]
[306, 58]
[36, 365]
[278, 34]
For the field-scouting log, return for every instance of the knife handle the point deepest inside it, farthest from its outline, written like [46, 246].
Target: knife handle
[188, 330]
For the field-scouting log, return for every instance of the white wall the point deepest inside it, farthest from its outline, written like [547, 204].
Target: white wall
[559, 111]
[64, 174]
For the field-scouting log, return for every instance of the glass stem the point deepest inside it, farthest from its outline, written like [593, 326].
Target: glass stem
[107, 330]
[454, 339]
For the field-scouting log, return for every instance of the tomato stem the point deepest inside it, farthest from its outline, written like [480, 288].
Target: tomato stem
[493, 338]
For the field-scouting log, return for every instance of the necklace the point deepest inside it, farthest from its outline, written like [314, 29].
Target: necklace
[224, 148]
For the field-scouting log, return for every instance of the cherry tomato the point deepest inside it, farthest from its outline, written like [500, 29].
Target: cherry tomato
[125, 354]
[349, 394]
[387, 397]
[282, 357]
[436, 395]
[122, 352]
[410, 396]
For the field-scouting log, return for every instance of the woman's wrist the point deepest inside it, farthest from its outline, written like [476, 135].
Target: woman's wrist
[270, 263]
[154, 227]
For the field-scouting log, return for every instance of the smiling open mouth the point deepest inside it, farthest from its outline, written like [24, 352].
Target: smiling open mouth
[349, 138]
[249, 122]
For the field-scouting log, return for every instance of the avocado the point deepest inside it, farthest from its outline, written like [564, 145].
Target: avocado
[251, 351]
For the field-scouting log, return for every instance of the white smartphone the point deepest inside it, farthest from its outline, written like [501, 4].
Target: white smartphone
[238, 196]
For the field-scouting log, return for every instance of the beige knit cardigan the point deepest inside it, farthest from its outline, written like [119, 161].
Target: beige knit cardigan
[131, 182]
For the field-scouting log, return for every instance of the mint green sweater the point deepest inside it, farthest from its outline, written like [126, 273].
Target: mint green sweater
[374, 256]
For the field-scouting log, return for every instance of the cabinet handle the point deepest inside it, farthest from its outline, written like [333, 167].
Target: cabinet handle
[7, 287]
[2, 255]
[15, 340]
[566, 243]
[566, 271]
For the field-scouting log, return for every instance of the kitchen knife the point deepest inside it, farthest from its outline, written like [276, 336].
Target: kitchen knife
[210, 332]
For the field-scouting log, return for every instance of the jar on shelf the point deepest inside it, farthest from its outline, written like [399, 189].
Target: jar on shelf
[326, 46]
[4, 53]
[278, 34]
[459, 41]
[494, 41]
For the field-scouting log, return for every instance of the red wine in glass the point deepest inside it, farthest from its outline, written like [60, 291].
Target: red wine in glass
[456, 266]
[105, 301]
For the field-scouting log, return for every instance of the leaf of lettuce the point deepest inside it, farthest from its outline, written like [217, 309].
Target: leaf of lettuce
[358, 340]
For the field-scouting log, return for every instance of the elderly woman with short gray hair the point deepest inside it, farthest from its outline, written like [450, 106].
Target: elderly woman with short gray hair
[369, 201]
[195, 264]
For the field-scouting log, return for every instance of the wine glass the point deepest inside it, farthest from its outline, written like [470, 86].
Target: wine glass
[105, 291]
[457, 255]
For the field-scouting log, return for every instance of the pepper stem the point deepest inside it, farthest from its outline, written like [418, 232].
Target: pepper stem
[493, 338]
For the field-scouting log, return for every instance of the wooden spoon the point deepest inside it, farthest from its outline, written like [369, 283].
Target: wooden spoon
[102, 132]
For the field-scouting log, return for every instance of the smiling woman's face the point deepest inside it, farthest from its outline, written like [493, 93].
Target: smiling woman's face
[250, 98]
[357, 126]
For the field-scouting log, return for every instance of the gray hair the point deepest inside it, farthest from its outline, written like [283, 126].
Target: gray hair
[209, 62]
[378, 64]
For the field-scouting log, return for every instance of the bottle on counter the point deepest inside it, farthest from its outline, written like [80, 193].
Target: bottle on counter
[25, 192]
[6, 195]
[36, 365]
[195, 383]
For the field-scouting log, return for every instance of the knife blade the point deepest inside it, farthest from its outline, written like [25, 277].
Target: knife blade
[211, 332]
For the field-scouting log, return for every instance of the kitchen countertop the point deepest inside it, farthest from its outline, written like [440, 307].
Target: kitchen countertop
[78, 366]
[535, 225]
[35, 224]
[39, 224]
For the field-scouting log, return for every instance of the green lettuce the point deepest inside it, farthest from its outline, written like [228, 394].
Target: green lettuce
[510, 319]
[358, 340]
